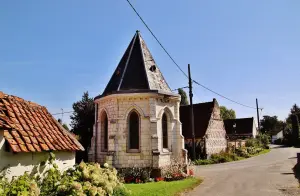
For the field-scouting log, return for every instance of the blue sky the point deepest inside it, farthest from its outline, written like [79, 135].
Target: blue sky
[53, 51]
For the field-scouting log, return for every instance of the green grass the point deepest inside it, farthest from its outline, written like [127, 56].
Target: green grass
[262, 152]
[163, 188]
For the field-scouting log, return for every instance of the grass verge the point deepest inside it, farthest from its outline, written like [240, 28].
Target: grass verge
[163, 188]
[227, 157]
[262, 152]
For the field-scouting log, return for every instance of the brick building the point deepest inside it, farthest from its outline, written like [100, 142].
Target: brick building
[137, 115]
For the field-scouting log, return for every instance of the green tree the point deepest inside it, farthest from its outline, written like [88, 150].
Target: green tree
[227, 113]
[295, 129]
[184, 99]
[82, 124]
[271, 125]
[295, 110]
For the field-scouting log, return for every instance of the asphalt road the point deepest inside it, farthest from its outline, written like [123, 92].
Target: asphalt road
[265, 175]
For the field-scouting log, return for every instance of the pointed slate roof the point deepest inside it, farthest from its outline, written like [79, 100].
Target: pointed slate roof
[137, 71]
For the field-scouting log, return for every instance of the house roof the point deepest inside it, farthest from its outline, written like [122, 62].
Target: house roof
[202, 115]
[137, 71]
[244, 126]
[29, 127]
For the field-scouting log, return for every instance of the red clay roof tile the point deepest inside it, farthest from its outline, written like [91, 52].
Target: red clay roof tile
[32, 127]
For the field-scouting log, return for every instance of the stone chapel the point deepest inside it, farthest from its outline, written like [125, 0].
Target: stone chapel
[137, 116]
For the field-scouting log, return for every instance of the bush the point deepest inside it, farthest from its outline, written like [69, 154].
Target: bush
[175, 171]
[242, 152]
[135, 175]
[23, 185]
[221, 157]
[83, 179]
[261, 141]
[203, 162]
[264, 139]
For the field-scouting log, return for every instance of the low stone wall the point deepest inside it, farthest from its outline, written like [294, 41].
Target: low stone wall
[236, 143]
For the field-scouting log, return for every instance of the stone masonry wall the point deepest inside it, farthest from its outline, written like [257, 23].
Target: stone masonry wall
[150, 108]
[216, 134]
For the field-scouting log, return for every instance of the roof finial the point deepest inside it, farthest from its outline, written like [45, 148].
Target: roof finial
[137, 31]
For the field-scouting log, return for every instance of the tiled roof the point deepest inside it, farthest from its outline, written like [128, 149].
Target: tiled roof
[29, 127]
[137, 71]
[202, 116]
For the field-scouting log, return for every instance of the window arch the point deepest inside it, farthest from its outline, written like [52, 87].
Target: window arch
[104, 132]
[134, 131]
[165, 130]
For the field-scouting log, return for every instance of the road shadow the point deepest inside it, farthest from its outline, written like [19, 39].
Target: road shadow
[279, 146]
[288, 173]
[293, 158]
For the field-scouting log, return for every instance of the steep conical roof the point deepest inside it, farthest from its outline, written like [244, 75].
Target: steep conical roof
[137, 71]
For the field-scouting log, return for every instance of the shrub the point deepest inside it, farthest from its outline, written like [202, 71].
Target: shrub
[242, 152]
[221, 157]
[252, 142]
[135, 174]
[175, 171]
[264, 139]
[23, 185]
[203, 162]
[83, 179]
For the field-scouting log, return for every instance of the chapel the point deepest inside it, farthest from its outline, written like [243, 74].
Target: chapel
[137, 116]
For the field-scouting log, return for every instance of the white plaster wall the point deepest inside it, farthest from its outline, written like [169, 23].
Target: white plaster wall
[19, 163]
[254, 130]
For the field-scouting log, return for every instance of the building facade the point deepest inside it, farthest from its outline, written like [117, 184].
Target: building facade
[27, 133]
[137, 115]
[210, 132]
[240, 128]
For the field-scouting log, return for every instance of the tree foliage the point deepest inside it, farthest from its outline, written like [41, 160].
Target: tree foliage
[82, 123]
[271, 125]
[227, 113]
[184, 98]
[295, 129]
[295, 110]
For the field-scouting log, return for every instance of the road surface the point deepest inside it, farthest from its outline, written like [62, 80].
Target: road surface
[264, 175]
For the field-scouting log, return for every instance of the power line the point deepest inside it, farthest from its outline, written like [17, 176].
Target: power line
[180, 88]
[222, 95]
[179, 66]
[62, 113]
[157, 39]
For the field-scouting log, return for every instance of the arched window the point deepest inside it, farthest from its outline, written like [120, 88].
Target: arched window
[165, 130]
[134, 131]
[104, 132]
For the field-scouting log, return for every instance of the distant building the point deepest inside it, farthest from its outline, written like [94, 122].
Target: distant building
[137, 115]
[210, 133]
[276, 136]
[240, 128]
[27, 133]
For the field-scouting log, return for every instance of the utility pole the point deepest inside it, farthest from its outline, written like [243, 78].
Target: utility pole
[257, 110]
[192, 113]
